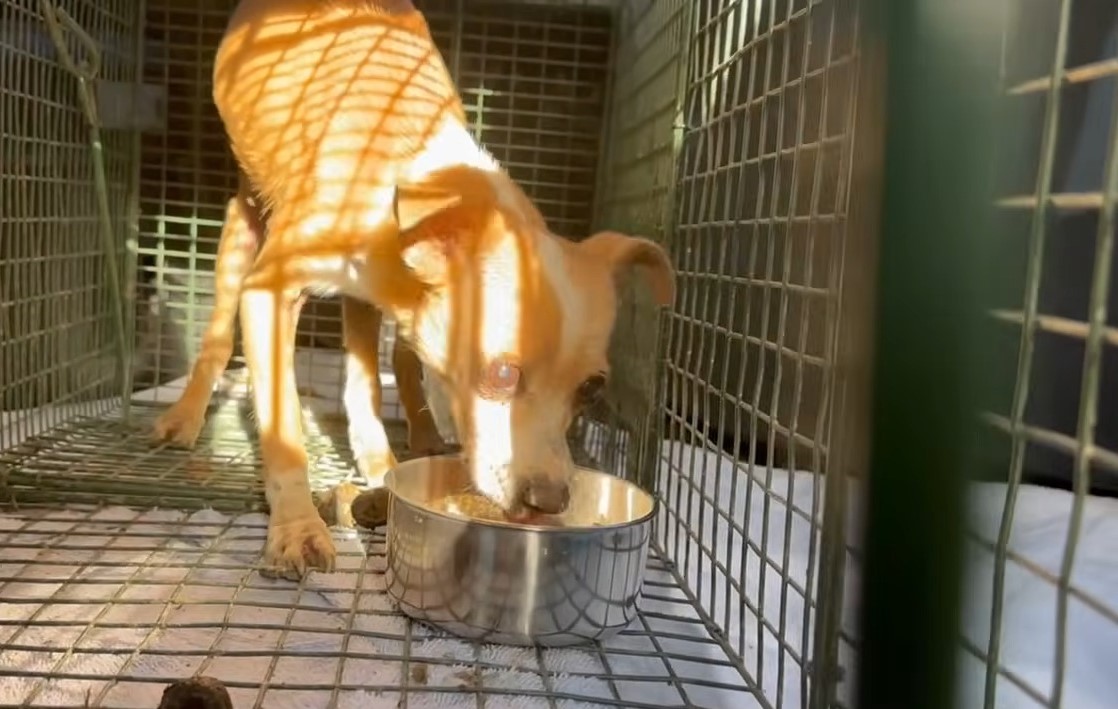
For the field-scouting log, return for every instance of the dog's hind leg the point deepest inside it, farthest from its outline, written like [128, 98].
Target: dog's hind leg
[423, 435]
[241, 235]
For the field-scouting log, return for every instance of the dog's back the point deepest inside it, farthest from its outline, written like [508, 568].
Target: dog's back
[309, 90]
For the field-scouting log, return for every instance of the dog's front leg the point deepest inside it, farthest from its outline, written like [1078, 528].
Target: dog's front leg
[298, 539]
[362, 396]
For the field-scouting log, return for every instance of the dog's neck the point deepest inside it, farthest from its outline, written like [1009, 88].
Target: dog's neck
[451, 145]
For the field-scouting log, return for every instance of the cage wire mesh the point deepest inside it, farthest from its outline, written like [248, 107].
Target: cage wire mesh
[57, 325]
[1052, 419]
[736, 154]
[725, 130]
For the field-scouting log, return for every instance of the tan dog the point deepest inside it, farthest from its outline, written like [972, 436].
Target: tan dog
[242, 232]
[344, 118]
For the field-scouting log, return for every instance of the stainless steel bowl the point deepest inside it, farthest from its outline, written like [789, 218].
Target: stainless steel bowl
[517, 584]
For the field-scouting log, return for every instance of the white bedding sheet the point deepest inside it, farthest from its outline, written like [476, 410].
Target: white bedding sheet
[1028, 627]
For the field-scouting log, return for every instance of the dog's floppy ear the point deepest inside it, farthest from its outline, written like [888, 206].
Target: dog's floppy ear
[444, 211]
[622, 251]
[415, 202]
[424, 250]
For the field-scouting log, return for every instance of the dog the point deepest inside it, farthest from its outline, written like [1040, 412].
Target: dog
[243, 230]
[347, 125]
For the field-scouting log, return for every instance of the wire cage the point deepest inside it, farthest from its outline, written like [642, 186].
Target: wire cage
[744, 135]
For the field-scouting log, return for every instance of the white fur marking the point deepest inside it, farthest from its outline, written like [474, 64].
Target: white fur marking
[330, 275]
[500, 299]
[493, 435]
[452, 145]
[500, 292]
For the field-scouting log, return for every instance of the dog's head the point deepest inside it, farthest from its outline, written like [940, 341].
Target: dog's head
[516, 324]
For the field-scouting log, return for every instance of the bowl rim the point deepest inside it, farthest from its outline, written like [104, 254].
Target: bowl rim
[580, 530]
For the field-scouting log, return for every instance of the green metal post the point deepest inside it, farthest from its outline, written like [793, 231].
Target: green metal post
[941, 107]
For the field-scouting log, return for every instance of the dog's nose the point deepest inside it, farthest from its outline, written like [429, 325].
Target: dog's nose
[547, 496]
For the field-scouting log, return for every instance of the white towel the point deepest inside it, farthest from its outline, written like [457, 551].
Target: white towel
[151, 597]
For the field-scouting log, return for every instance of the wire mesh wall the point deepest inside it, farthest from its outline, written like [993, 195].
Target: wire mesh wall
[731, 140]
[636, 195]
[1053, 417]
[58, 333]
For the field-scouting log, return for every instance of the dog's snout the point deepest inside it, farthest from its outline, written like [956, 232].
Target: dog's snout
[546, 495]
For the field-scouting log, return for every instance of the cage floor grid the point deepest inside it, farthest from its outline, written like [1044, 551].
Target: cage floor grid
[103, 461]
[105, 600]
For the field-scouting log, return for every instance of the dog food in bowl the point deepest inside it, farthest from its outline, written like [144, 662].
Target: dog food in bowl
[475, 507]
[470, 506]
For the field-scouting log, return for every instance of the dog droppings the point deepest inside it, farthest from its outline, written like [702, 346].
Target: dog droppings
[347, 505]
[370, 508]
[196, 693]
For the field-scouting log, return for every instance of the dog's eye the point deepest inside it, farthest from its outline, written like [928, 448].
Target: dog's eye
[590, 390]
[500, 379]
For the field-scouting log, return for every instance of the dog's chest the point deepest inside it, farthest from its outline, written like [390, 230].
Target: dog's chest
[333, 275]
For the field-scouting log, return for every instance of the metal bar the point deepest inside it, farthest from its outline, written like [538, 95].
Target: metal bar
[1089, 394]
[1056, 324]
[1078, 75]
[1056, 441]
[1037, 238]
[936, 216]
[133, 243]
[765, 189]
[607, 150]
[851, 340]
[650, 442]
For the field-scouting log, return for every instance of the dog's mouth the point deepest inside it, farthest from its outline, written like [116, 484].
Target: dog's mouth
[523, 513]
[523, 506]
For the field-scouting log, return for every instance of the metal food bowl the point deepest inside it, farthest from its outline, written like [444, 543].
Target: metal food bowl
[517, 584]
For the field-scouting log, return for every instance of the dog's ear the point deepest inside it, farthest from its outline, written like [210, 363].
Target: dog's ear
[425, 242]
[438, 214]
[622, 251]
[415, 202]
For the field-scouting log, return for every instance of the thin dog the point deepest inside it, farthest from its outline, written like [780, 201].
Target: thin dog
[345, 121]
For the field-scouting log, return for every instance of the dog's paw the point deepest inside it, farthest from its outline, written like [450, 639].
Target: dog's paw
[296, 546]
[179, 425]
